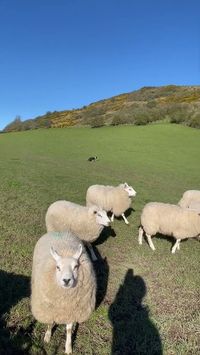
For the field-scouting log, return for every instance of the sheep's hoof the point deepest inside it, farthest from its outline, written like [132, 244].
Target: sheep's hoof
[68, 350]
[127, 223]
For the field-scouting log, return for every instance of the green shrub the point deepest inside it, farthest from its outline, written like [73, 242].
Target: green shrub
[97, 122]
[195, 121]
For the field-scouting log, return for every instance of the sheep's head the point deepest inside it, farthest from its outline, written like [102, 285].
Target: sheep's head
[67, 268]
[131, 192]
[100, 215]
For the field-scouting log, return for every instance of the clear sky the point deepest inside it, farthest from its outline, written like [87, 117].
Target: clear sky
[63, 54]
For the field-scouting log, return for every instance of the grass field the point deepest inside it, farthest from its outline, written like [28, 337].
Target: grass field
[148, 302]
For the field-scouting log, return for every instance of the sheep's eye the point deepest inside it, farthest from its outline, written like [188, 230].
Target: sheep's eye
[75, 267]
[95, 212]
[58, 268]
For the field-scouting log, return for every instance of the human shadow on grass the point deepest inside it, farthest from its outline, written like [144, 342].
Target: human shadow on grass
[133, 331]
[15, 339]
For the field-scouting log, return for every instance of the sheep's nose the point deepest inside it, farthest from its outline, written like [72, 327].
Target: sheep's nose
[66, 281]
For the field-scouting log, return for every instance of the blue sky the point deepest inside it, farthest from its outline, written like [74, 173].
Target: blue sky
[63, 54]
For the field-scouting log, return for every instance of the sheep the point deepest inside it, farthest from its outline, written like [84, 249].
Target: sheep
[63, 283]
[115, 199]
[190, 199]
[86, 222]
[171, 220]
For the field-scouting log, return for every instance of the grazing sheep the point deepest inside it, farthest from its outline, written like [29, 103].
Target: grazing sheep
[86, 222]
[92, 158]
[190, 199]
[63, 283]
[170, 220]
[115, 199]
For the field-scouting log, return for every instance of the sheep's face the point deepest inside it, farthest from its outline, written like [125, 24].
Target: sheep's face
[102, 218]
[67, 268]
[131, 192]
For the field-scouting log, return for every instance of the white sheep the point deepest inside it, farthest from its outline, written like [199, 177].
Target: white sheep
[190, 199]
[170, 220]
[86, 222]
[116, 199]
[63, 283]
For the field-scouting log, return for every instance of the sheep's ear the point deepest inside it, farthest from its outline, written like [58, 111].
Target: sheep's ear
[54, 254]
[78, 252]
[125, 184]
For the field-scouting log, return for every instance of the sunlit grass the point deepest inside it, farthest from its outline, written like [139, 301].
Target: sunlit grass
[41, 166]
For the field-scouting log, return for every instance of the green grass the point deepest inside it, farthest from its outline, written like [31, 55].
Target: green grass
[148, 303]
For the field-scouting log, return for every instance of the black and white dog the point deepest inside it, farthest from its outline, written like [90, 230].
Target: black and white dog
[92, 158]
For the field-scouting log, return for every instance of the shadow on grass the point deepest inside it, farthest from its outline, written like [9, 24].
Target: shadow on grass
[101, 268]
[14, 340]
[133, 331]
[127, 214]
[106, 233]
[171, 240]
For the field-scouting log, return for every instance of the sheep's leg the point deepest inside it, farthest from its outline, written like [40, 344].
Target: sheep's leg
[176, 246]
[112, 218]
[140, 236]
[125, 220]
[47, 336]
[94, 258]
[150, 242]
[68, 344]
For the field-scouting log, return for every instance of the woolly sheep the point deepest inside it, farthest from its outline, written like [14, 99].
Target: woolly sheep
[190, 199]
[86, 222]
[63, 283]
[170, 220]
[110, 198]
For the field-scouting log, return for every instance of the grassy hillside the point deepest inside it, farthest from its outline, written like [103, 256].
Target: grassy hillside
[148, 302]
[176, 104]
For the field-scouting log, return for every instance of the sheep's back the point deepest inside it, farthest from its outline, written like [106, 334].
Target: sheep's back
[189, 197]
[99, 195]
[109, 198]
[65, 215]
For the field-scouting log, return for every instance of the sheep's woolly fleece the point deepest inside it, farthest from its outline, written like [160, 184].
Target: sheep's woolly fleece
[51, 303]
[190, 199]
[109, 198]
[80, 220]
[171, 220]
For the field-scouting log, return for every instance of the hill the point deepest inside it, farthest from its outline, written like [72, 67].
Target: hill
[175, 104]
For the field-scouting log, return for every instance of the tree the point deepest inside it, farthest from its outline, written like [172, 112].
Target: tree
[15, 125]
